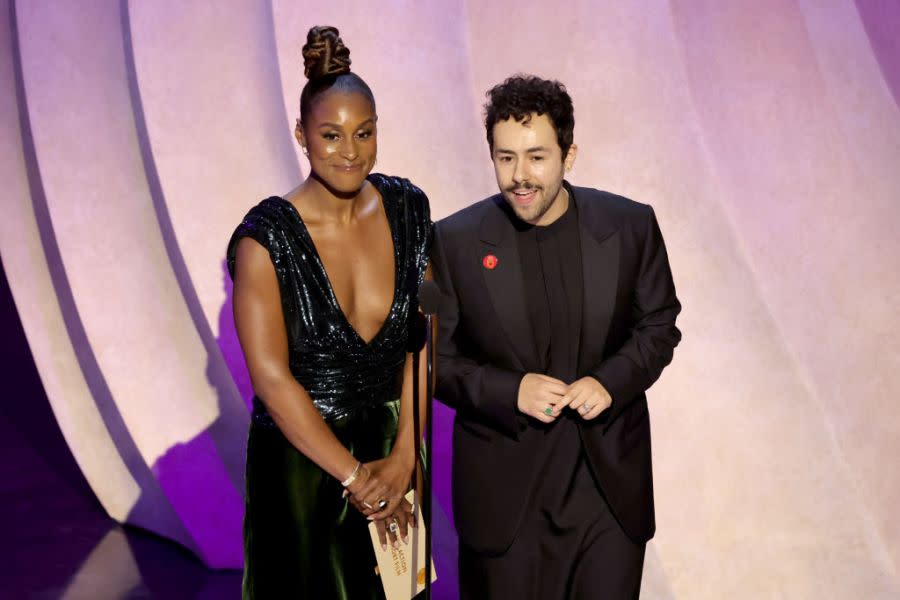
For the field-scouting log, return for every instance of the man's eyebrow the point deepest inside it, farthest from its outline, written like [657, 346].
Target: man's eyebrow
[533, 150]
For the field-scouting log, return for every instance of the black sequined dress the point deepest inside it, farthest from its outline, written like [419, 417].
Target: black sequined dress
[301, 539]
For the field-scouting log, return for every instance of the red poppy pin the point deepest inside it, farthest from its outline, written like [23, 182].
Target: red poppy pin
[490, 262]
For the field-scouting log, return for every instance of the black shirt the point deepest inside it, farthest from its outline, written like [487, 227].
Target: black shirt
[552, 271]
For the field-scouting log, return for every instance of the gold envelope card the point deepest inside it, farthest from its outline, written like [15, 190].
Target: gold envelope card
[402, 569]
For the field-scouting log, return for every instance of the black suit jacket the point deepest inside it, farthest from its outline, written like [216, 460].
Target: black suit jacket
[485, 346]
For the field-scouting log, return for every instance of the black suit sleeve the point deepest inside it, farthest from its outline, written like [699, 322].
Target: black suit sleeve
[652, 338]
[476, 390]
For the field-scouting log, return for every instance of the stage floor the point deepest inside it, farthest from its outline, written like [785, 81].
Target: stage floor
[57, 542]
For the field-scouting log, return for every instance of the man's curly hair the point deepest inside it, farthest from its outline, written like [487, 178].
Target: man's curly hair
[520, 96]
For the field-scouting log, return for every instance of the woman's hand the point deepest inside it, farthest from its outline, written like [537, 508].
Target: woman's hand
[396, 526]
[379, 492]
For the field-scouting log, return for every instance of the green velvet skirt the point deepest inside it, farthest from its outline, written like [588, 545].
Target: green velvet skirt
[301, 539]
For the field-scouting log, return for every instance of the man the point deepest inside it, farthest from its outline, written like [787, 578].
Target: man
[558, 312]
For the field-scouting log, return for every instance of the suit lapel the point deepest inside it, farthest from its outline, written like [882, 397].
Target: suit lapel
[600, 266]
[505, 284]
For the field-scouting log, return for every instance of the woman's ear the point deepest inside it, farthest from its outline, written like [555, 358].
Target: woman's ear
[298, 133]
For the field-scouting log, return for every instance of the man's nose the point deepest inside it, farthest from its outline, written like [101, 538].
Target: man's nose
[520, 173]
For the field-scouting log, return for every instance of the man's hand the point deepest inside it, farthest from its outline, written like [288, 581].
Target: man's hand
[587, 397]
[541, 397]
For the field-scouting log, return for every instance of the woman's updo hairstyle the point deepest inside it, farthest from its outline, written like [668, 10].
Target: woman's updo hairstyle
[326, 63]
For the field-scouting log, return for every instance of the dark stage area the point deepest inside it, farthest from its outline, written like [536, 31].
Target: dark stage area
[57, 541]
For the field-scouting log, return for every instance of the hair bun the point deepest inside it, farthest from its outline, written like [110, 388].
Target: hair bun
[325, 53]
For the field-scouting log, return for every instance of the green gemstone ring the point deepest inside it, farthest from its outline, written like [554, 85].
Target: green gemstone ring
[548, 411]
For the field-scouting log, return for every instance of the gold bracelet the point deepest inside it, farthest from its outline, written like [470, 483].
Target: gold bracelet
[349, 481]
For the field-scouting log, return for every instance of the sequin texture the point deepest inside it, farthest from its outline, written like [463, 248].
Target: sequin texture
[342, 373]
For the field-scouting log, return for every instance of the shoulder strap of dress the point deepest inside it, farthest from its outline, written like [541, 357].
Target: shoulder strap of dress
[266, 223]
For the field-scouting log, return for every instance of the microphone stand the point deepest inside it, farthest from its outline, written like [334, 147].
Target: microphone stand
[429, 384]
[421, 328]
[424, 495]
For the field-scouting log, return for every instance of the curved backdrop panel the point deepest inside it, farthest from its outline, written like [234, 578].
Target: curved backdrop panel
[765, 134]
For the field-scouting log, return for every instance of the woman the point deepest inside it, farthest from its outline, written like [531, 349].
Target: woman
[325, 280]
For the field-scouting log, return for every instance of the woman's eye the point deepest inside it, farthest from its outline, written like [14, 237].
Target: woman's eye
[537, 158]
[331, 137]
[364, 135]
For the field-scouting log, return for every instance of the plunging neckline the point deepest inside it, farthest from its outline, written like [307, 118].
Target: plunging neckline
[335, 304]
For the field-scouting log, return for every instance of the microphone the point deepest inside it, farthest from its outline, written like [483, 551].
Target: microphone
[418, 325]
[429, 297]
[417, 329]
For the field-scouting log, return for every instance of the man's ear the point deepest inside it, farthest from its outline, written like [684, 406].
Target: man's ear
[569, 161]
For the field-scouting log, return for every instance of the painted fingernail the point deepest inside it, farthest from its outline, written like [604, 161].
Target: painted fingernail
[396, 544]
[384, 547]
[406, 540]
